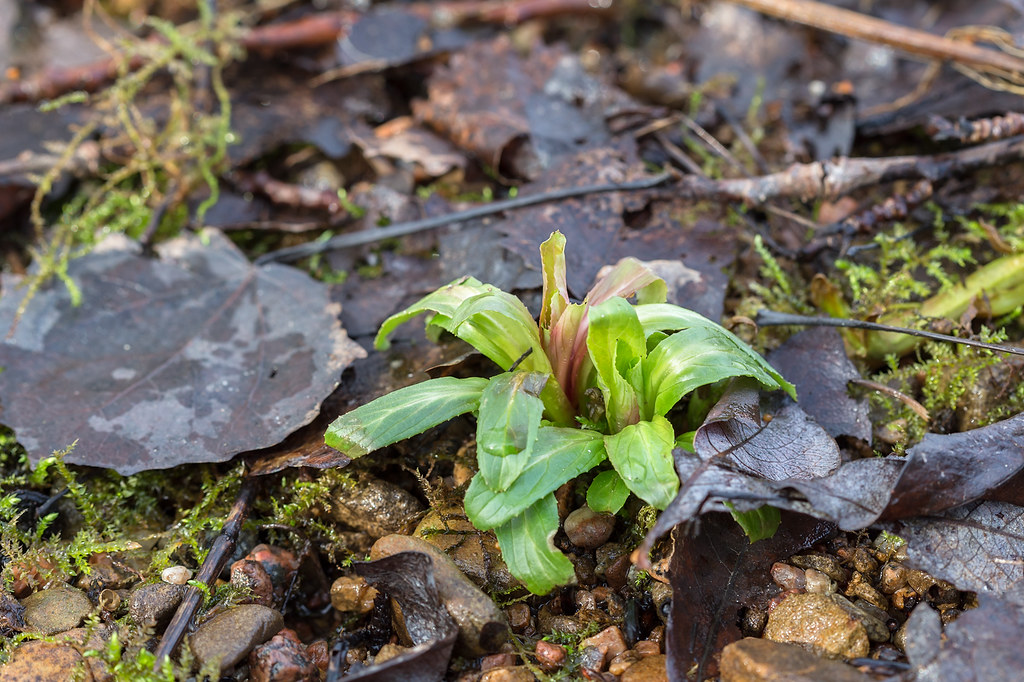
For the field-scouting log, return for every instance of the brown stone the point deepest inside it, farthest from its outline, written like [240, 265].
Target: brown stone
[497, 661]
[816, 620]
[760, 660]
[649, 669]
[519, 673]
[351, 594]
[610, 642]
[550, 656]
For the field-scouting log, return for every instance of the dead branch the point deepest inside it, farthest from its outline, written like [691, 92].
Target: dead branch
[911, 41]
[287, 194]
[219, 553]
[831, 179]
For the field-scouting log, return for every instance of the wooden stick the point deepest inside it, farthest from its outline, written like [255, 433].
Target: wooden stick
[912, 41]
[219, 553]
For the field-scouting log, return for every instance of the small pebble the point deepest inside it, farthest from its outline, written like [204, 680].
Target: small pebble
[283, 659]
[609, 642]
[788, 577]
[761, 660]
[816, 620]
[518, 673]
[250, 575]
[620, 663]
[550, 656]
[588, 529]
[176, 575]
[351, 594]
[229, 636]
[892, 577]
[280, 564]
[827, 564]
[55, 609]
[389, 651]
[519, 618]
[817, 582]
[374, 506]
[153, 605]
[649, 669]
[646, 647]
[497, 661]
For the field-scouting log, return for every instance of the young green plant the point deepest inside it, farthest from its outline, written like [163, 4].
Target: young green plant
[587, 383]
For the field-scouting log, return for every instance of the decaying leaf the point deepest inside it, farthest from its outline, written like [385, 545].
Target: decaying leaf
[408, 578]
[192, 357]
[977, 547]
[714, 574]
[815, 362]
[982, 644]
[519, 115]
[788, 446]
[945, 471]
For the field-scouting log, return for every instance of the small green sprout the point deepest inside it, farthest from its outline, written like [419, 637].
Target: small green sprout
[589, 382]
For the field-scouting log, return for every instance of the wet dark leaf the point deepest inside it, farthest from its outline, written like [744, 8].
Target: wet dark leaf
[714, 574]
[815, 362]
[852, 497]
[945, 471]
[976, 547]
[602, 229]
[408, 578]
[194, 357]
[790, 446]
[269, 112]
[982, 645]
[518, 115]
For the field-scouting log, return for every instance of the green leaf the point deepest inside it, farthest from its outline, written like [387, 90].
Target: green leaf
[666, 317]
[442, 302]
[528, 547]
[555, 296]
[607, 492]
[642, 455]
[403, 413]
[507, 425]
[696, 357]
[758, 524]
[498, 325]
[617, 346]
[559, 454]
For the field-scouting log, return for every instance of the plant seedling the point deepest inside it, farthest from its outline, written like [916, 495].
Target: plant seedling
[588, 382]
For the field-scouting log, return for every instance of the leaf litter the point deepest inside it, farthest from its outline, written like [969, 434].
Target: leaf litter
[562, 133]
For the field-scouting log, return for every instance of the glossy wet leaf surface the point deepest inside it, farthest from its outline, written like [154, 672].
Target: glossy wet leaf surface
[193, 357]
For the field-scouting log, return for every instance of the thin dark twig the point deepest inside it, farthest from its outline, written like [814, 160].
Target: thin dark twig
[401, 229]
[218, 555]
[771, 318]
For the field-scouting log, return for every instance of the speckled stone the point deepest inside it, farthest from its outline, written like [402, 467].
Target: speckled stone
[231, 635]
[56, 609]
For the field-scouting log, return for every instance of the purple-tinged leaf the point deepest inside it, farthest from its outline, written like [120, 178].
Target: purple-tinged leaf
[977, 547]
[192, 357]
[714, 573]
[946, 471]
[408, 578]
[790, 446]
[815, 362]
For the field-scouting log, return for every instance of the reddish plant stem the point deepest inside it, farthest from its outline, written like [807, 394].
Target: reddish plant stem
[218, 555]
